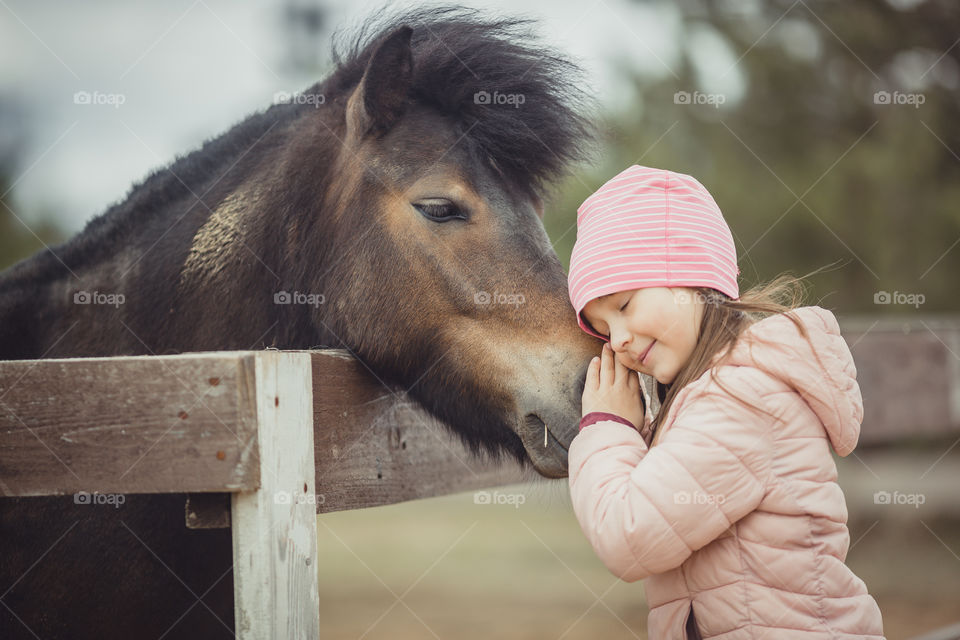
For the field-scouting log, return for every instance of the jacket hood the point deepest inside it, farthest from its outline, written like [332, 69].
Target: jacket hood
[829, 386]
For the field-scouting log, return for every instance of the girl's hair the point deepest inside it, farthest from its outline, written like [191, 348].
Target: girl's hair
[724, 320]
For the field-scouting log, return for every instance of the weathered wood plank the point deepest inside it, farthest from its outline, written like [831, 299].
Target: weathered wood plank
[276, 591]
[151, 424]
[909, 376]
[376, 447]
[951, 632]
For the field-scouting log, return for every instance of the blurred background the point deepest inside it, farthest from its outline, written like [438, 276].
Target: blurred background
[828, 132]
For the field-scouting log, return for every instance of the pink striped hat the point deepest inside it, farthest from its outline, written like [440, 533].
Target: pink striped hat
[650, 228]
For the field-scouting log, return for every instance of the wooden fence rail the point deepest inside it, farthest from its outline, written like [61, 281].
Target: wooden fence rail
[917, 361]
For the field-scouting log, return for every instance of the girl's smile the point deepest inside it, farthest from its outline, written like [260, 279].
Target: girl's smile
[646, 353]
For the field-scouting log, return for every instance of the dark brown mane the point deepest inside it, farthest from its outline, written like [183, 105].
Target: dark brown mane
[458, 54]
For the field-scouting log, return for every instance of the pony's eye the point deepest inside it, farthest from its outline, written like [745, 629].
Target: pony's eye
[439, 210]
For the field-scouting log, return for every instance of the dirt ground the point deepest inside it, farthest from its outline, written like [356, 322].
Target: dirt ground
[518, 567]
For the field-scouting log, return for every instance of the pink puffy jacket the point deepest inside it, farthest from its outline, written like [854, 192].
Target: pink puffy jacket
[731, 515]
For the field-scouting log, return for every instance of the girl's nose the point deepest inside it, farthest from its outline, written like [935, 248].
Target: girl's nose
[619, 341]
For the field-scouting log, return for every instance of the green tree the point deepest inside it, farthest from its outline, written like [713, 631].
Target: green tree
[811, 165]
[20, 239]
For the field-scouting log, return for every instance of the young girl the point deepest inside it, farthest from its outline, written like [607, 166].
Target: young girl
[728, 500]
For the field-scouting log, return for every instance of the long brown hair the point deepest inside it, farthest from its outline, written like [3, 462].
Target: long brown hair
[724, 320]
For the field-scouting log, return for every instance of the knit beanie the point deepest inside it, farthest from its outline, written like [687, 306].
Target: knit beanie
[650, 228]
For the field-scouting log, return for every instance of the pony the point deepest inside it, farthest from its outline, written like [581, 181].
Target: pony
[395, 210]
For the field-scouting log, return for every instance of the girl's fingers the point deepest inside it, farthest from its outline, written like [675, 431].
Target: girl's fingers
[633, 377]
[593, 374]
[622, 372]
[607, 371]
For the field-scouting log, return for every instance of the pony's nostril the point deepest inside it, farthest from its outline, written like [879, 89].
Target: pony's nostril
[535, 424]
[534, 421]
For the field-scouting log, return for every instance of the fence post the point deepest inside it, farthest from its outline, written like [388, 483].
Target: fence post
[275, 528]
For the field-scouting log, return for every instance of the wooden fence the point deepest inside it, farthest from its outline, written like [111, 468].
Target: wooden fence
[264, 440]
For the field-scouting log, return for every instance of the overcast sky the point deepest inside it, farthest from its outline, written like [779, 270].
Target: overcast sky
[186, 70]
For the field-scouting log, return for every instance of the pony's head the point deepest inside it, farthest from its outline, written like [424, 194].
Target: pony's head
[419, 171]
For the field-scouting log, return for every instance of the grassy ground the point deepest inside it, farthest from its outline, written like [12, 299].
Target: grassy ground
[451, 568]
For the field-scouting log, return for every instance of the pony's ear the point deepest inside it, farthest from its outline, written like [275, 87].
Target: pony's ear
[381, 97]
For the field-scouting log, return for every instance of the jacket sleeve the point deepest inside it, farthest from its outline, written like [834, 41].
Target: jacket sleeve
[644, 510]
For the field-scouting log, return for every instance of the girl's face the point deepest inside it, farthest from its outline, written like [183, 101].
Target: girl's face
[666, 319]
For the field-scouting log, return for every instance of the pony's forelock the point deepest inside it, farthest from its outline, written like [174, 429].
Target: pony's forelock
[523, 107]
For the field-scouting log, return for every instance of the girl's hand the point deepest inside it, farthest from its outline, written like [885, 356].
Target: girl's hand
[612, 387]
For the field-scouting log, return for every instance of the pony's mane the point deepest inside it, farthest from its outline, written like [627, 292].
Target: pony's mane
[459, 53]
